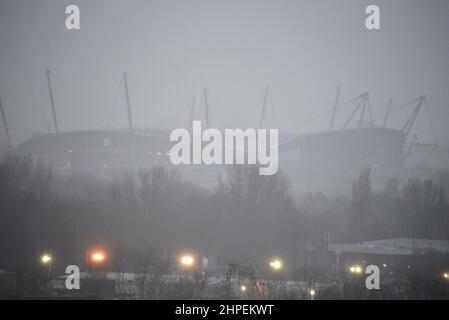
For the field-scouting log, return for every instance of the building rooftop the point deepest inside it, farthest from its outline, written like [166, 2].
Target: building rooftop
[400, 246]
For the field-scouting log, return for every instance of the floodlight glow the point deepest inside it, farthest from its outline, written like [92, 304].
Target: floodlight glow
[276, 264]
[187, 260]
[357, 269]
[46, 259]
[97, 256]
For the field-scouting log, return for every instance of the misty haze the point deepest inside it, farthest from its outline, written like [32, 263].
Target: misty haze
[346, 197]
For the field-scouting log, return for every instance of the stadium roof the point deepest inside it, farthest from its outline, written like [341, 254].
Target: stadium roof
[401, 246]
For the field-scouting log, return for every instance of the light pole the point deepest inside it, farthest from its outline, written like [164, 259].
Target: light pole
[46, 260]
[96, 258]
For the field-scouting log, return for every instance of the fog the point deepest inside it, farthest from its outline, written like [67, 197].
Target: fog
[336, 201]
[173, 49]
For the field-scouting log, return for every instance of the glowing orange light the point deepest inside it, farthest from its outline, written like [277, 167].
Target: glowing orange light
[97, 256]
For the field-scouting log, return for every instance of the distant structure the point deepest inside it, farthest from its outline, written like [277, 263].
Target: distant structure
[5, 124]
[98, 151]
[322, 161]
[52, 102]
[326, 161]
[402, 255]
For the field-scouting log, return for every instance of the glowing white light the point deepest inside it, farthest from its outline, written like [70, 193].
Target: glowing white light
[46, 258]
[276, 264]
[187, 260]
[355, 269]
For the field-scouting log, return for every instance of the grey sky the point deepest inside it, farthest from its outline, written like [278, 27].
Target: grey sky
[173, 49]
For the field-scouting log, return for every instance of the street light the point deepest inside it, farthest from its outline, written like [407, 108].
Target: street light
[187, 261]
[243, 288]
[312, 292]
[97, 256]
[46, 259]
[446, 275]
[276, 264]
[355, 269]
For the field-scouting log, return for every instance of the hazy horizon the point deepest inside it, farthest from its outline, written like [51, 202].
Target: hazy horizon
[173, 49]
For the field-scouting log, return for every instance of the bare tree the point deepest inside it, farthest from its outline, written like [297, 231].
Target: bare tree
[361, 192]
